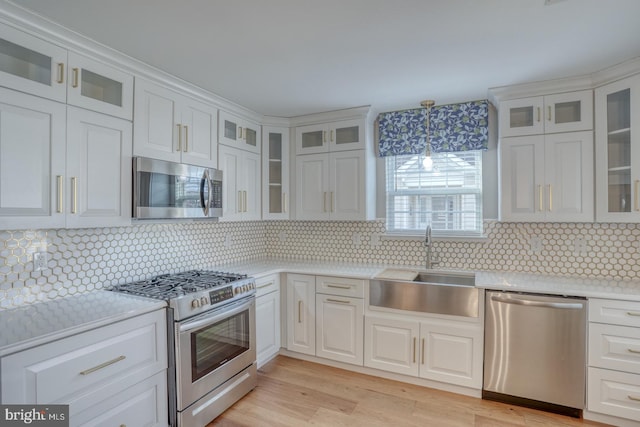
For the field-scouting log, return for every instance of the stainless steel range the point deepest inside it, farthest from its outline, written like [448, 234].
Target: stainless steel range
[212, 350]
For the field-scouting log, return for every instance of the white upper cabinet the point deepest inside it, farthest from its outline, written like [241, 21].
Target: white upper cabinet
[275, 173]
[32, 161]
[334, 136]
[564, 112]
[30, 64]
[547, 177]
[239, 133]
[98, 169]
[172, 127]
[99, 87]
[618, 151]
[241, 184]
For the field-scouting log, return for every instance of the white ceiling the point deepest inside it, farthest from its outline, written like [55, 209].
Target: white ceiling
[293, 57]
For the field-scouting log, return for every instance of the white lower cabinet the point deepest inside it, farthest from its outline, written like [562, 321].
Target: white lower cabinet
[267, 318]
[613, 384]
[436, 349]
[301, 313]
[339, 323]
[94, 371]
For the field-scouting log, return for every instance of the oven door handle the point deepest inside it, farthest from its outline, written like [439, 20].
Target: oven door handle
[216, 316]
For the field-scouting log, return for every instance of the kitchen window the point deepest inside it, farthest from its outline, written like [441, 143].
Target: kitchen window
[446, 194]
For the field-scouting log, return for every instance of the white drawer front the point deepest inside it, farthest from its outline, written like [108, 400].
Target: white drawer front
[614, 347]
[340, 286]
[267, 284]
[84, 368]
[614, 393]
[626, 313]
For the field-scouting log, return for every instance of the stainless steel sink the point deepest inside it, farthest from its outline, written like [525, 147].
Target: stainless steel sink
[440, 293]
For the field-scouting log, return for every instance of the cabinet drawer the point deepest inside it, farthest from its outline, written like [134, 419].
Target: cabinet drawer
[625, 313]
[144, 404]
[81, 370]
[614, 393]
[267, 284]
[340, 286]
[614, 347]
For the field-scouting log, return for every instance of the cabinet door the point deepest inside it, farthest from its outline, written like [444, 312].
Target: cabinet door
[346, 135]
[32, 161]
[451, 353]
[618, 151]
[98, 169]
[239, 133]
[251, 186]
[275, 173]
[568, 112]
[569, 192]
[339, 328]
[251, 137]
[156, 120]
[391, 345]
[347, 186]
[267, 326]
[312, 139]
[520, 117]
[32, 65]
[301, 317]
[199, 132]
[99, 87]
[522, 178]
[312, 195]
[232, 197]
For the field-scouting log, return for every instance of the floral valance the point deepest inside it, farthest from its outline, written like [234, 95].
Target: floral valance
[453, 127]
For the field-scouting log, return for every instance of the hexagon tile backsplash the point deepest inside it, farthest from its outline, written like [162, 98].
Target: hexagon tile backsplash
[81, 260]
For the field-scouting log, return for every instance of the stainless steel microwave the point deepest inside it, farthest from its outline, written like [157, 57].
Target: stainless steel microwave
[166, 190]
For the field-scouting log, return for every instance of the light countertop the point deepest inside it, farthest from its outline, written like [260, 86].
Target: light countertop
[35, 324]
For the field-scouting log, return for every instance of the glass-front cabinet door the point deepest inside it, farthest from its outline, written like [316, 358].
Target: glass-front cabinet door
[275, 168]
[239, 133]
[346, 135]
[32, 65]
[99, 87]
[618, 151]
[312, 139]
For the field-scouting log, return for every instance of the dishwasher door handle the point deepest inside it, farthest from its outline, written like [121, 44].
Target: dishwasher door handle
[532, 303]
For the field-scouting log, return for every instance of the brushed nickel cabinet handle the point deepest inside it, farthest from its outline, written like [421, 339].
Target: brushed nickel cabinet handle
[60, 186]
[76, 72]
[299, 311]
[414, 349]
[636, 184]
[74, 194]
[550, 198]
[324, 136]
[179, 137]
[102, 365]
[538, 113]
[244, 193]
[549, 113]
[637, 399]
[338, 301]
[240, 132]
[60, 72]
[633, 313]
[284, 203]
[422, 352]
[631, 350]
[331, 135]
[186, 138]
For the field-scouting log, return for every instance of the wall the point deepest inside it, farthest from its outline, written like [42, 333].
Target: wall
[87, 259]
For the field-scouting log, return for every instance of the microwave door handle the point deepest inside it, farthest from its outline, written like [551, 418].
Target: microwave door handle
[205, 181]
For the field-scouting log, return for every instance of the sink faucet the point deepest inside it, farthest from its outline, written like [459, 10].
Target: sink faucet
[428, 243]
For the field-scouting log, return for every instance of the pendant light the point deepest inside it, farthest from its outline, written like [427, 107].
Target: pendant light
[427, 162]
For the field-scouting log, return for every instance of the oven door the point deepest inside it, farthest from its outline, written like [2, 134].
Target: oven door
[213, 347]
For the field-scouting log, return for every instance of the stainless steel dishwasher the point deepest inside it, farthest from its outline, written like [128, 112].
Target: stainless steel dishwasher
[535, 351]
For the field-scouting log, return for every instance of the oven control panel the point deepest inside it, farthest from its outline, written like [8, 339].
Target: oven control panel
[220, 295]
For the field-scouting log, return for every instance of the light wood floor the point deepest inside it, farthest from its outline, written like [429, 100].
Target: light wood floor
[295, 393]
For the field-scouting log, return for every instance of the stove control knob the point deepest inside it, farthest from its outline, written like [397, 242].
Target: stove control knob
[245, 288]
[195, 303]
[236, 290]
[203, 301]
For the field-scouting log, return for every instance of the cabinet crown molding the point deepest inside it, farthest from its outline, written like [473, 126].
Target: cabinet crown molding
[363, 112]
